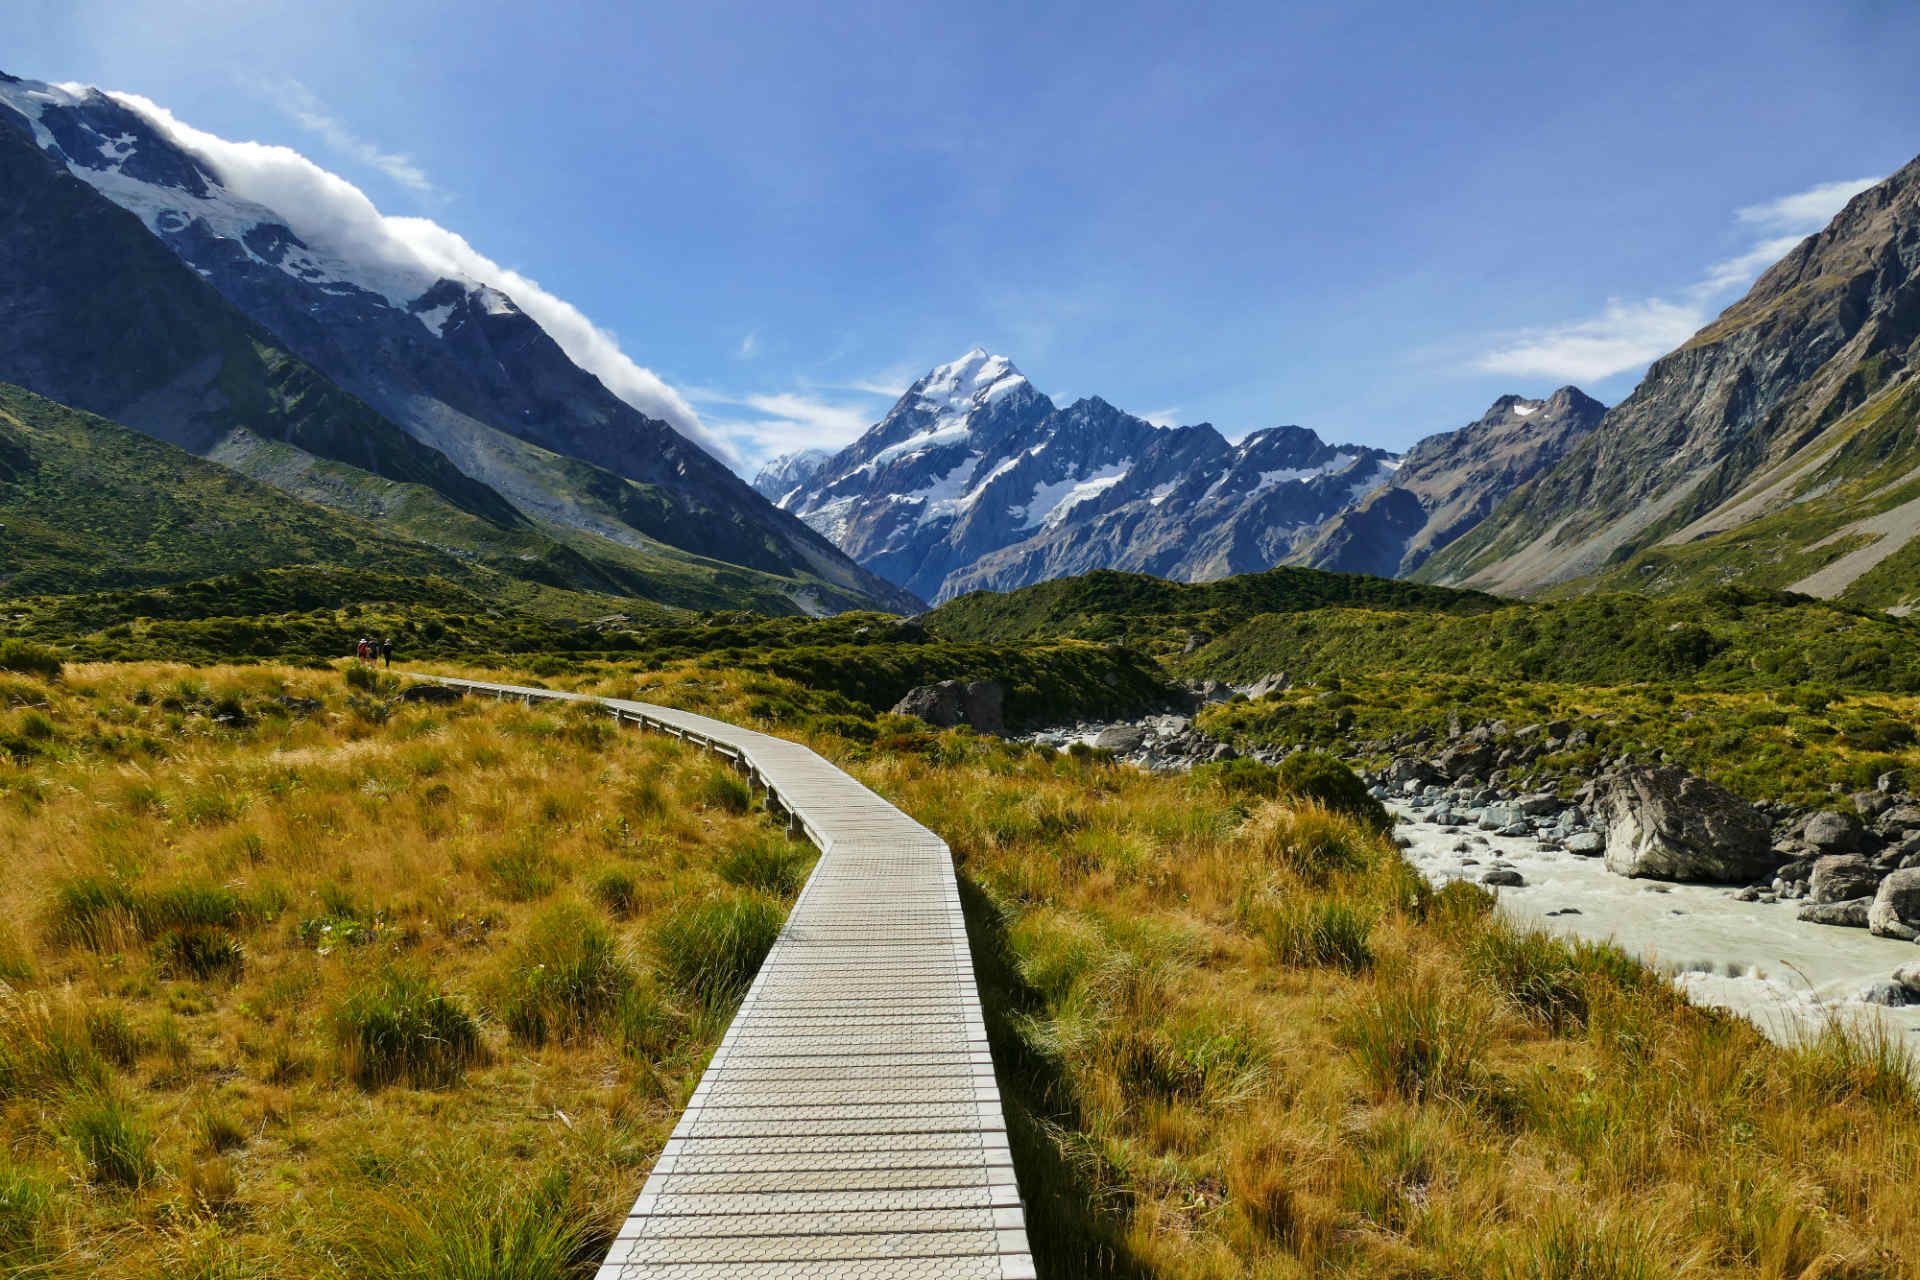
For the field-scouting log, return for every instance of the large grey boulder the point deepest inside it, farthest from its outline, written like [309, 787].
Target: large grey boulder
[1841, 876]
[1896, 908]
[979, 703]
[1121, 738]
[1664, 823]
[1588, 844]
[1833, 832]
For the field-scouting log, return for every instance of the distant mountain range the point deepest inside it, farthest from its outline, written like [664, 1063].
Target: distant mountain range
[1779, 446]
[975, 480]
[135, 283]
[451, 434]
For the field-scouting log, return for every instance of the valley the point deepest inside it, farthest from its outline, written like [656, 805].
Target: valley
[1211, 851]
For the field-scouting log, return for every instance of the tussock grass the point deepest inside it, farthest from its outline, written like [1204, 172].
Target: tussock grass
[711, 950]
[481, 1224]
[1416, 1037]
[1322, 931]
[397, 1025]
[272, 947]
[566, 978]
[766, 861]
[110, 1140]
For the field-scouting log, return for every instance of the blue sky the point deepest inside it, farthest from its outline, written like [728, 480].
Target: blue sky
[1370, 219]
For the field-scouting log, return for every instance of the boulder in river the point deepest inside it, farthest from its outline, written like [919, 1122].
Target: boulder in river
[1851, 914]
[1896, 908]
[1839, 877]
[980, 703]
[1664, 823]
[1503, 877]
[1908, 976]
[1588, 844]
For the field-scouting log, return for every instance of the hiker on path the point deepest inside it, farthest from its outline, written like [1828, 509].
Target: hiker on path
[386, 651]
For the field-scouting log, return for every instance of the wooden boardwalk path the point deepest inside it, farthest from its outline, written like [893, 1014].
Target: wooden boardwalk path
[849, 1124]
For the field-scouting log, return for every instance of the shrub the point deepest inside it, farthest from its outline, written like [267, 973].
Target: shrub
[1241, 776]
[767, 861]
[1319, 777]
[399, 1026]
[1417, 1038]
[108, 1137]
[565, 979]
[29, 659]
[1321, 931]
[711, 950]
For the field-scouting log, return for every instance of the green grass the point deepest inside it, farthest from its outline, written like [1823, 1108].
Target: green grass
[711, 950]
[397, 1026]
[565, 979]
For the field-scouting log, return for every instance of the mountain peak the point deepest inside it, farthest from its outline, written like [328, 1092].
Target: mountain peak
[977, 375]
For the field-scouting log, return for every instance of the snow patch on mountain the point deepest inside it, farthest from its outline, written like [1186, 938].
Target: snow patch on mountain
[340, 238]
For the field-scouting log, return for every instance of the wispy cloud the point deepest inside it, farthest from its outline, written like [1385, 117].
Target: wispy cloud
[300, 105]
[1630, 332]
[1167, 417]
[749, 346]
[761, 425]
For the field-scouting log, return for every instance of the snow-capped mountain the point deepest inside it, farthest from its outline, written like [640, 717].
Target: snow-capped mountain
[975, 479]
[781, 475]
[395, 316]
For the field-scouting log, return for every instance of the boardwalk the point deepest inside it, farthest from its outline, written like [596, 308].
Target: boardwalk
[849, 1124]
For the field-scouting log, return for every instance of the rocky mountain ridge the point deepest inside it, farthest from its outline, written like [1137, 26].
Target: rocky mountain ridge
[1779, 445]
[975, 480]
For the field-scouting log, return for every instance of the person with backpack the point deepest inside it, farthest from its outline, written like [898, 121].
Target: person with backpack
[386, 651]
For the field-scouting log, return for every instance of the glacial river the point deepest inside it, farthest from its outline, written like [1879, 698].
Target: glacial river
[1753, 958]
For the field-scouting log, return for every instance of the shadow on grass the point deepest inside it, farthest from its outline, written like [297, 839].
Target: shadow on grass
[1075, 1230]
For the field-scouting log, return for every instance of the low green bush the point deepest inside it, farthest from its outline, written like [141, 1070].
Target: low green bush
[1319, 777]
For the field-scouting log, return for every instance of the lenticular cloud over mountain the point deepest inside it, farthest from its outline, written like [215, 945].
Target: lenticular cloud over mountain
[402, 257]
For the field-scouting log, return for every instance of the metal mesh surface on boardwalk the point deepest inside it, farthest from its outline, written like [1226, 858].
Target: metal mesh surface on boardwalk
[849, 1124]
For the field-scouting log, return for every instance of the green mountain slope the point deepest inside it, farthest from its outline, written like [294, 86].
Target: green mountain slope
[1157, 615]
[89, 504]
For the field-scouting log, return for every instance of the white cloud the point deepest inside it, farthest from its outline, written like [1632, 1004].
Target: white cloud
[1623, 335]
[304, 109]
[749, 345]
[1802, 210]
[1167, 417]
[334, 216]
[760, 425]
[1629, 333]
